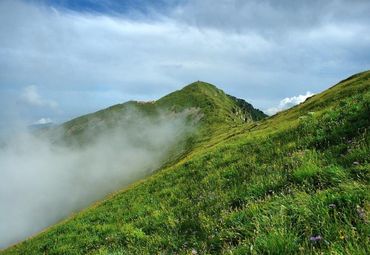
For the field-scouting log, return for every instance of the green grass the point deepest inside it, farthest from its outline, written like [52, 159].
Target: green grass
[264, 187]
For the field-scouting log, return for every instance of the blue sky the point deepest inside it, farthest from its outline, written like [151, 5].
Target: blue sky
[112, 6]
[60, 59]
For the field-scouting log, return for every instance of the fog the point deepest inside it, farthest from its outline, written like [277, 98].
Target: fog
[42, 181]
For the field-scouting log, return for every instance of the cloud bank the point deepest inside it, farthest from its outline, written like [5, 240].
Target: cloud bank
[262, 51]
[42, 183]
[289, 102]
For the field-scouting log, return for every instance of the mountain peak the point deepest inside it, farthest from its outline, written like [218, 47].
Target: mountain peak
[202, 87]
[201, 84]
[214, 103]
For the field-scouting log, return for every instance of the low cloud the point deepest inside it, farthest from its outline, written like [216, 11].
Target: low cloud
[31, 96]
[289, 102]
[42, 182]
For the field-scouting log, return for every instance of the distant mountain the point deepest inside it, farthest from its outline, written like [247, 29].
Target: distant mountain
[43, 126]
[294, 183]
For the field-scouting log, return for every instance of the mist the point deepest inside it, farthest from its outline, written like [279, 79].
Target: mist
[43, 181]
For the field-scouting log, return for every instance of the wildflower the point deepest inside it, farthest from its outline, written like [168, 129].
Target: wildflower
[342, 235]
[361, 212]
[356, 163]
[194, 252]
[332, 206]
[316, 239]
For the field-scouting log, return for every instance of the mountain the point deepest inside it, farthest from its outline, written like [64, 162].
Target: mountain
[212, 109]
[215, 106]
[293, 183]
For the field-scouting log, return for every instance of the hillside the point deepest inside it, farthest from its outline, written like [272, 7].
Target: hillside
[294, 183]
[204, 102]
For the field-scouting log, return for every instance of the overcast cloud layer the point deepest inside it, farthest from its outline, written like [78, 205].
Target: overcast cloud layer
[80, 58]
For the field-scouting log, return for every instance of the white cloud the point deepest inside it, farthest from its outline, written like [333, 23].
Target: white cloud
[289, 102]
[31, 96]
[44, 121]
[264, 51]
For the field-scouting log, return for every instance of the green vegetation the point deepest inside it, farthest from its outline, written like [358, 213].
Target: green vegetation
[216, 111]
[294, 183]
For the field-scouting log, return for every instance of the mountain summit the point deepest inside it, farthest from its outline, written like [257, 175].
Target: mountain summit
[215, 103]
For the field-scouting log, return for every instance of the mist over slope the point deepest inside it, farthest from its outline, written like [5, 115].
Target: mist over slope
[43, 182]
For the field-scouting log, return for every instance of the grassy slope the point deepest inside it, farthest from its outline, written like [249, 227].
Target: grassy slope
[215, 106]
[262, 188]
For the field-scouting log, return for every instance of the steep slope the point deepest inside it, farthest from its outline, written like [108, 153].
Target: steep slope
[295, 183]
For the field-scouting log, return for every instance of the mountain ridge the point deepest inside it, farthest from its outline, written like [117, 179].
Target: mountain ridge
[213, 103]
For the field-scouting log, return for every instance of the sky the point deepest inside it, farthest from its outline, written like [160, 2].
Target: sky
[63, 58]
